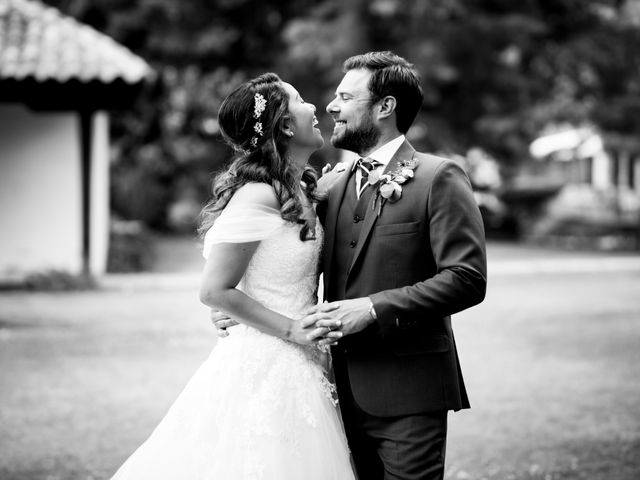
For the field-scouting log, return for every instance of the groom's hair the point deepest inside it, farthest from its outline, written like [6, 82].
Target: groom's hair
[391, 75]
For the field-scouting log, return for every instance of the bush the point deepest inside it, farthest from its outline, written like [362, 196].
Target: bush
[138, 193]
[130, 247]
[59, 280]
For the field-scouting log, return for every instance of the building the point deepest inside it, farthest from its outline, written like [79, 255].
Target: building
[584, 155]
[593, 186]
[58, 80]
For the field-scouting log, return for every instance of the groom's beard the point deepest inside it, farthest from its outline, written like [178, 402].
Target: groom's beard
[361, 139]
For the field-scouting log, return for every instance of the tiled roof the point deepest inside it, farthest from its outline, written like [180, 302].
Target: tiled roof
[37, 41]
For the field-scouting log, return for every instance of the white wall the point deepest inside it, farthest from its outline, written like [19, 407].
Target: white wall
[40, 194]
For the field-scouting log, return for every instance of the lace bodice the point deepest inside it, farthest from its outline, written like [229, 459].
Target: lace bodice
[283, 273]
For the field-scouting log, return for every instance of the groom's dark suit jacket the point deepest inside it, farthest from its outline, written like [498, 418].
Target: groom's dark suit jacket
[420, 261]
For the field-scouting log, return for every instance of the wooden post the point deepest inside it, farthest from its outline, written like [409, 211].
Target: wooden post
[86, 137]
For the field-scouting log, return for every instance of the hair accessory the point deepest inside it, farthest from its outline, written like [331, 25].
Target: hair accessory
[260, 105]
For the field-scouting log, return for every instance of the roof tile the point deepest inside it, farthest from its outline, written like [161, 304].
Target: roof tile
[40, 42]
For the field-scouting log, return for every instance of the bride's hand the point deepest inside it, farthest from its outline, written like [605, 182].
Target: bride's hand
[327, 180]
[306, 332]
[320, 326]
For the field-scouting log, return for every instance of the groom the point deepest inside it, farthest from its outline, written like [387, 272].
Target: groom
[403, 252]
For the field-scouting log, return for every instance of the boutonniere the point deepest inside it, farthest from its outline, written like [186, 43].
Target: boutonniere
[390, 184]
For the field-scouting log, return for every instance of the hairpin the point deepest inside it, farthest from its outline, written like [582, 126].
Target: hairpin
[260, 105]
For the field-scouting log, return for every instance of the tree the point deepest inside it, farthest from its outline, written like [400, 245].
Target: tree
[495, 72]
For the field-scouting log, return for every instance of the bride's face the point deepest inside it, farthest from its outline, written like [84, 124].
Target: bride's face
[303, 121]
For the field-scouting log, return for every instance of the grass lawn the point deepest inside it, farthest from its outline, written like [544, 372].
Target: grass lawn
[551, 367]
[550, 362]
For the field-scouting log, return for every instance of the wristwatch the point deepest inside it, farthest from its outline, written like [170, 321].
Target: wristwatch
[372, 312]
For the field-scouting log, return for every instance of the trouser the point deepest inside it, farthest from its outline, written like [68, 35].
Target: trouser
[407, 447]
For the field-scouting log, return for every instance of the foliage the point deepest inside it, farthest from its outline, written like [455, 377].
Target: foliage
[498, 72]
[130, 248]
[495, 74]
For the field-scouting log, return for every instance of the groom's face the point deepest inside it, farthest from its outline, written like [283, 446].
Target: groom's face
[352, 113]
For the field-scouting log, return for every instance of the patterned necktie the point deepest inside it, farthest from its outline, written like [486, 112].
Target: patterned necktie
[365, 165]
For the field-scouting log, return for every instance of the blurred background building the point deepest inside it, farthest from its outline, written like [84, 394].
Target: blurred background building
[58, 80]
[539, 100]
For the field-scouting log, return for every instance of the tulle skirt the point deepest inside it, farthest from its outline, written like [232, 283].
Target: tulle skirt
[258, 408]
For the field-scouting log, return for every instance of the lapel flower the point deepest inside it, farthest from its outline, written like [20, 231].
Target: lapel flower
[390, 184]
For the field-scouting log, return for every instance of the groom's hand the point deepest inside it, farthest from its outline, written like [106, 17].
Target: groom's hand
[221, 321]
[353, 315]
[323, 328]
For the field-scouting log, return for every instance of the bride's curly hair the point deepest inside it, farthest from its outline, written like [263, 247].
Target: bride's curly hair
[259, 158]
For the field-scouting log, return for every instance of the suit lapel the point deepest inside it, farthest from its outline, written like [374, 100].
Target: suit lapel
[336, 195]
[405, 152]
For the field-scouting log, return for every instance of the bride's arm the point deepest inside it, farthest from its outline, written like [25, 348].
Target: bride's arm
[223, 270]
[226, 265]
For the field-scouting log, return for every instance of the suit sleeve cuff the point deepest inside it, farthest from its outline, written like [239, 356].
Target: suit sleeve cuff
[384, 317]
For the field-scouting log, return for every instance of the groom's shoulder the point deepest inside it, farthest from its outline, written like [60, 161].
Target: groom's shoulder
[431, 169]
[429, 164]
[430, 159]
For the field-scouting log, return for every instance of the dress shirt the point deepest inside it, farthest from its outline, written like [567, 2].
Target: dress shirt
[384, 154]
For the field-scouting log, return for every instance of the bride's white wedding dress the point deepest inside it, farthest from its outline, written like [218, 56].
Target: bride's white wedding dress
[259, 407]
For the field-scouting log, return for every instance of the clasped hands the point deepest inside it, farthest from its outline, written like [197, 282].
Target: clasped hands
[323, 324]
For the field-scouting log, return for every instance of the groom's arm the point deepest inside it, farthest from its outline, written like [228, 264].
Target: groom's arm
[457, 242]
[456, 235]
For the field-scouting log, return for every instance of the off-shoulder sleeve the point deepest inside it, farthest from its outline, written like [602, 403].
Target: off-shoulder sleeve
[241, 224]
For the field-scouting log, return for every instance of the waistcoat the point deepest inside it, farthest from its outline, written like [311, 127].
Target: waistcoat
[349, 223]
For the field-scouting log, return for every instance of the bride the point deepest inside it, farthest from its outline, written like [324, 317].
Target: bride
[261, 406]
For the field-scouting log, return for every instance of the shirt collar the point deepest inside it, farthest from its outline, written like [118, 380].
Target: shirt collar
[385, 153]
